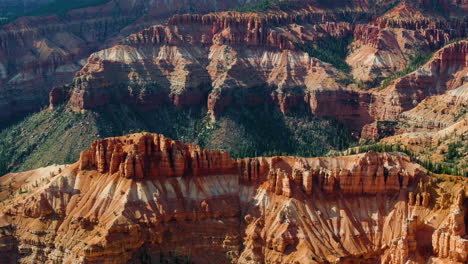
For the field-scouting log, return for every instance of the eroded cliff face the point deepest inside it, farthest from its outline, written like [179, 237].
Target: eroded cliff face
[203, 60]
[430, 117]
[38, 53]
[445, 71]
[145, 197]
[430, 128]
[229, 59]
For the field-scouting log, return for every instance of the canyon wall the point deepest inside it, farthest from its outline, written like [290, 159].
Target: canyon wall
[223, 59]
[144, 197]
[40, 52]
[226, 60]
[445, 71]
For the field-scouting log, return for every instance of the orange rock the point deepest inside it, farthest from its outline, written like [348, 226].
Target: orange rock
[145, 190]
[150, 155]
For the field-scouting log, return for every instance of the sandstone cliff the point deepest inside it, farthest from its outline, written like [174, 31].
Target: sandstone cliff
[196, 60]
[146, 197]
[38, 53]
[431, 127]
[446, 70]
[230, 59]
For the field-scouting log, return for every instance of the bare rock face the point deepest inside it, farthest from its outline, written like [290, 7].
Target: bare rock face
[152, 156]
[230, 59]
[437, 112]
[449, 240]
[364, 174]
[145, 196]
[39, 53]
[381, 47]
[428, 129]
[445, 71]
[58, 96]
[194, 60]
[430, 99]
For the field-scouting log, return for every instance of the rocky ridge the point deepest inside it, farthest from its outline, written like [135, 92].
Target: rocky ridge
[153, 156]
[40, 52]
[367, 207]
[225, 60]
[445, 71]
[429, 129]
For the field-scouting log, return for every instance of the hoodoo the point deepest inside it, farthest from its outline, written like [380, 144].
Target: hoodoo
[144, 196]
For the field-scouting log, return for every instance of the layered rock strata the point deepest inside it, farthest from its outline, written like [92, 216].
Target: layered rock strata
[227, 60]
[148, 198]
[430, 129]
[40, 52]
[445, 71]
[153, 156]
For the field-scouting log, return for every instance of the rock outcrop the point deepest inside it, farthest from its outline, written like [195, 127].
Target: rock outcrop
[195, 60]
[40, 52]
[230, 59]
[427, 101]
[429, 130]
[153, 156]
[145, 197]
[382, 46]
[449, 240]
[365, 174]
[445, 71]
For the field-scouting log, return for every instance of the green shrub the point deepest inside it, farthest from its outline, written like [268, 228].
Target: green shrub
[59, 136]
[415, 62]
[454, 152]
[332, 50]
[45, 138]
[345, 81]
[266, 5]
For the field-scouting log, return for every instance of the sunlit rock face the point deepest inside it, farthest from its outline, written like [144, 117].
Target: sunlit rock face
[40, 52]
[146, 197]
[139, 53]
[227, 60]
[444, 72]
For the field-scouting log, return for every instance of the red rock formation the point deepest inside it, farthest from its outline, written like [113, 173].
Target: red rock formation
[445, 71]
[151, 156]
[427, 127]
[432, 116]
[142, 196]
[367, 174]
[38, 53]
[198, 60]
[449, 240]
[184, 80]
[58, 95]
